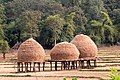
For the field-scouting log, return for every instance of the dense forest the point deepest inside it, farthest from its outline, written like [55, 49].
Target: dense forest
[53, 21]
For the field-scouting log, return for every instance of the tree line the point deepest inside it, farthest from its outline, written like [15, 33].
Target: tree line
[52, 21]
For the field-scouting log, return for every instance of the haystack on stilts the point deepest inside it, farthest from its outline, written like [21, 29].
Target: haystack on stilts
[30, 52]
[86, 47]
[65, 53]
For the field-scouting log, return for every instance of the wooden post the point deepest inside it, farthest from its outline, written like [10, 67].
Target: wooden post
[95, 63]
[79, 62]
[30, 66]
[62, 64]
[22, 66]
[88, 63]
[18, 66]
[55, 65]
[76, 64]
[39, 66]
[43, 66]
[68, 65]
[25, 66]
[73, 65]
[51, 65]
[82, 63]
[34, 66]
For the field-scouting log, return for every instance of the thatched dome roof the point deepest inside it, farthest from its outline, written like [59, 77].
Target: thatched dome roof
[85, 45]
[31, 50]
[64, 51]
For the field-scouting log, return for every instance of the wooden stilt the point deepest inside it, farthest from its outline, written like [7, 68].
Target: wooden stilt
[34, 66]
[76, 64]
[55, 65]
[30, 66]
[88, 63]
[73, 65]
[51, 66]
[18, 66]
[82, 63]
[95, 63]
[62, 64]
[68, 65]
[25, 66]
[43, 66]
[22, 67]
[39, 66]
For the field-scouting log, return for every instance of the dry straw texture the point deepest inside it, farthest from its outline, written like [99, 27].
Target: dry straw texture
[64, 51]
[30, 50]
[85, 45]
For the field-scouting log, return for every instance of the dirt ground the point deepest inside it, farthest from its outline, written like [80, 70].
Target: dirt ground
[108, 57]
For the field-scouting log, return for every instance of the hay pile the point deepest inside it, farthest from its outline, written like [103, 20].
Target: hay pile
[85, 45]
[64, 51]
[30, 50]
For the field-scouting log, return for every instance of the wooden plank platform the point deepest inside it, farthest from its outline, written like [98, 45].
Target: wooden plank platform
[64, 64]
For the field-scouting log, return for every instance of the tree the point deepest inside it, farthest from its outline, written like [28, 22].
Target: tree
[48, 7]
[92, 9]
[5, 1]
[103, 30]
[28, 23]
[55, 23]
[68, 30]
[4, 47]
[3, 43]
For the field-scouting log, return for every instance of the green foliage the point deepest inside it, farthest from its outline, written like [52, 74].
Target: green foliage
[69, 28]
[103, 30]
[1, 33]
[55, 23]
[64, 78]
[2, 14]
[52, 21]
[74, 78]
[4, 47]
[29, 21]
[114, 75]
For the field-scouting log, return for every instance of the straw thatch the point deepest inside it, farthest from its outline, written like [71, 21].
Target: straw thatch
[85, 45]
[30, 50]
[64, 51]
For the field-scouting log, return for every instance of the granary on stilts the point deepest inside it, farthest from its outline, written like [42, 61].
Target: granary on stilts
[66, 53]
[30, 53]
[87, 48]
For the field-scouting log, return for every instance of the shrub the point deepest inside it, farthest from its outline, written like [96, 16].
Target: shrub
[114, 75]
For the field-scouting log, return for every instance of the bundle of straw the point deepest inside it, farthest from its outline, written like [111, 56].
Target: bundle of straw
[64, 51]
[85, 45]
[31, 50]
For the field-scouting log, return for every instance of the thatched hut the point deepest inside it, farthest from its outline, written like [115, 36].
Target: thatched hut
[30, 51]
[64, 51]
[85, 45]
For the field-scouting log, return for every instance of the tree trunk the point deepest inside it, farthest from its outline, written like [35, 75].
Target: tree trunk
[55, 41]
[3, 55]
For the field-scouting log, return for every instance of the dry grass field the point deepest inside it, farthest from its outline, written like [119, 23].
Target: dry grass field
[108, 57]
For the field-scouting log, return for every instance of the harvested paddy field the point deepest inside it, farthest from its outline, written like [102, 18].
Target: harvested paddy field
[108, 57]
